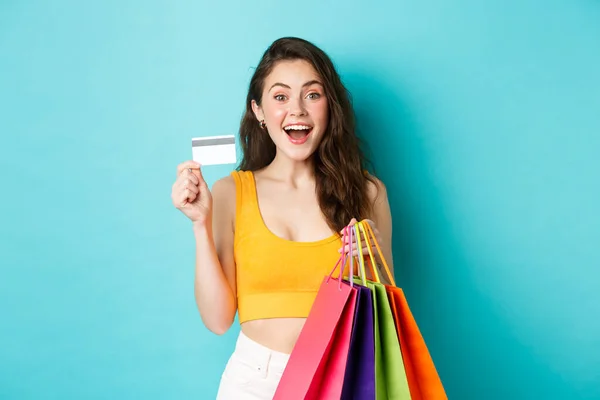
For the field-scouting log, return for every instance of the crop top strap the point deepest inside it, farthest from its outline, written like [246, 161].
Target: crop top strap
[246, 201]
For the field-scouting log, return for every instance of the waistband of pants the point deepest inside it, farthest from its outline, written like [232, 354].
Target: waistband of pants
[250, 350]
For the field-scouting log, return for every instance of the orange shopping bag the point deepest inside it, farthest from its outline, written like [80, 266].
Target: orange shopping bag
[423, 380]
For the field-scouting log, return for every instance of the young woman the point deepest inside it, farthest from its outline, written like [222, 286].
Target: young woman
[268, 233]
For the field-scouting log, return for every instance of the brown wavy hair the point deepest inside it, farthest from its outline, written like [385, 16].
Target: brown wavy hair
[340, 165]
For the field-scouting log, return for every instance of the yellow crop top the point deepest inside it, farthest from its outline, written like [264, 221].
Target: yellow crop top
[275, 277]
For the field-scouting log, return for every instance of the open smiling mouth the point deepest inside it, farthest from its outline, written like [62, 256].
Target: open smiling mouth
[298, 134]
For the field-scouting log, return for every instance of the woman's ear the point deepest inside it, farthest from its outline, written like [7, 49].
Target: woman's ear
[258, 113]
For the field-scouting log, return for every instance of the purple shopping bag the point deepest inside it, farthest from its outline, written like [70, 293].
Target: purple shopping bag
[359, 378]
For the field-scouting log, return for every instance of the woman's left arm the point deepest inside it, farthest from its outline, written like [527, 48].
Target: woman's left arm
[381, 223]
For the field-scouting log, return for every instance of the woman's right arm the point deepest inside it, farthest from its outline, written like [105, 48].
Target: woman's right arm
[215, 287]
[212, 216]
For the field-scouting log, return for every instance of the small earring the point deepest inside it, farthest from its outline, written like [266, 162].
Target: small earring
[262, 124]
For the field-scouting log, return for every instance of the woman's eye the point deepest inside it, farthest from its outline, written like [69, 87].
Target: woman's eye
[280, 97]
[314, 96]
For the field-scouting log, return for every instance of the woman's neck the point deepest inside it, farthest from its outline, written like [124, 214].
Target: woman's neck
[296, 173]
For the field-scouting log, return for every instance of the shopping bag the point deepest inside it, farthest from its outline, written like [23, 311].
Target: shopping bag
[390, 374]
[423, 379]
[316, 367]
[329, 378]
[359, 379]
[408, 361]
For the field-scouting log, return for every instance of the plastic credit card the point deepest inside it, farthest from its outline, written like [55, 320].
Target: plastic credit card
[214, 150]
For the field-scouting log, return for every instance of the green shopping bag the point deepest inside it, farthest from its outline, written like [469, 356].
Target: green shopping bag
[390, 376]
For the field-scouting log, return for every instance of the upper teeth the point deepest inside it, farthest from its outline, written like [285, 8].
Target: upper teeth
[297, 127]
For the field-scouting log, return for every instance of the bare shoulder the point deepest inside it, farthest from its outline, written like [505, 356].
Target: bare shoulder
[224, 187]
[223, 193]
[376, 190]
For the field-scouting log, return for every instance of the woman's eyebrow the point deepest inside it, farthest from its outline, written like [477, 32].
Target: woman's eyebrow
[314, 81]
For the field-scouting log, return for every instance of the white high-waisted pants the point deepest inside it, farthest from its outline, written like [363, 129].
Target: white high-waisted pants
[252, 372]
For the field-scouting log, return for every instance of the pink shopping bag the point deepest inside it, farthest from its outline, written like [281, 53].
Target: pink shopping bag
[317, 364]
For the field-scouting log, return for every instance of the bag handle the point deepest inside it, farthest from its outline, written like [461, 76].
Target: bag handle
[361, 270]
[381, 256]
[369, 234]
[358, 228]
[343, 258]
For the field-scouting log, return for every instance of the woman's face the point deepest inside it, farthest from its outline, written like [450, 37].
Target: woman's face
[294, 108]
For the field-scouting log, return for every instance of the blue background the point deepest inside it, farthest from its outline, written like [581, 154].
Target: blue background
[482, 117]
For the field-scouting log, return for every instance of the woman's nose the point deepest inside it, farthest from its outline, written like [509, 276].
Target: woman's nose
[297, 108]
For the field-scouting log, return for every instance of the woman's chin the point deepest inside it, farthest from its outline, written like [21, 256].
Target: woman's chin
[297, 154]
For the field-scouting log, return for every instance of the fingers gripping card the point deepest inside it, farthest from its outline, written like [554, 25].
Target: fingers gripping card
[214, 150]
